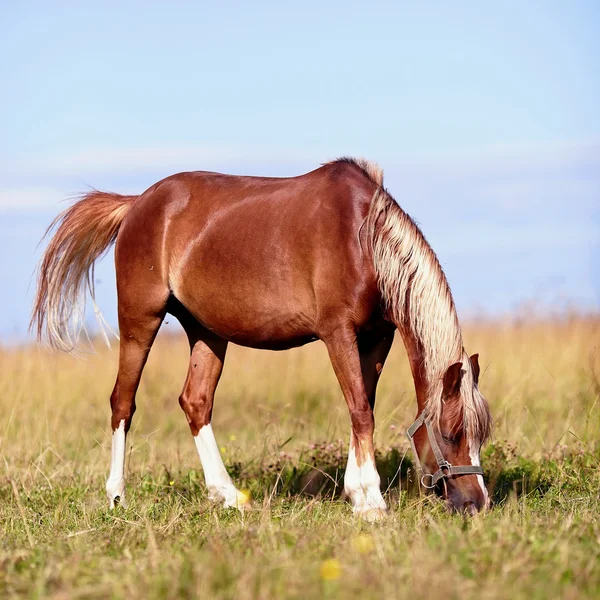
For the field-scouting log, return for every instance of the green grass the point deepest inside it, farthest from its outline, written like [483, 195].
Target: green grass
[540, 541]
[279, 418]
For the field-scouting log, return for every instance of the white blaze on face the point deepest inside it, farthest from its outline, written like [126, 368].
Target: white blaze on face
[475, 461]
[219, 484]
[115, 485]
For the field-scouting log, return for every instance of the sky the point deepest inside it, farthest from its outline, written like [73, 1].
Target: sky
[484, 118]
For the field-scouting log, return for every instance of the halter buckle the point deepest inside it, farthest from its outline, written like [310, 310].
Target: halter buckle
[446, 465]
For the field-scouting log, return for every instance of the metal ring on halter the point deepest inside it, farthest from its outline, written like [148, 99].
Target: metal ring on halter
[429, 487]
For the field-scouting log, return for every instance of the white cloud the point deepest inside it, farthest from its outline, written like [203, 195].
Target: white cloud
[499, 160]
[148, 158]
[45, 181]
[27, 198]
[488, 237]
[503, 161]
[509, 177]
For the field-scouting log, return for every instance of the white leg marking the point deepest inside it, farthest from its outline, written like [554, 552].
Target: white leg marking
[115, 485]
[475, 461]
[219, 484]
[352, 485]
[362, 486]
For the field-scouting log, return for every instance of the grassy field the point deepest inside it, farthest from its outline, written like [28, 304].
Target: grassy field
[277, 415]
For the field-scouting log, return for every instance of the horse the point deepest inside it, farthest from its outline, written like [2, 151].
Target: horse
[275, 263]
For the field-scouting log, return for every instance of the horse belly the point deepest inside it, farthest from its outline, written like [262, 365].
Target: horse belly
[265, 322]
[248, 297]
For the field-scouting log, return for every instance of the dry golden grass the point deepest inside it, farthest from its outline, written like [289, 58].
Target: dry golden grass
[59, 540]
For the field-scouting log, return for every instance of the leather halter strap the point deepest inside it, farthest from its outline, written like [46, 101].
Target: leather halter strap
[445, 469]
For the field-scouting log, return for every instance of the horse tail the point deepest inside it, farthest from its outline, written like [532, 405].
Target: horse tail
[84, 232]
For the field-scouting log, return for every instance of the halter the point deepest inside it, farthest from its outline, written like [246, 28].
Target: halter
[445, 470]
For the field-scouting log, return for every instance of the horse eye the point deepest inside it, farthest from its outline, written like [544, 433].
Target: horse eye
[450, 438]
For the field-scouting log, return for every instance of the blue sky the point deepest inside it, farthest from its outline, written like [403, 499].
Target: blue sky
[484, 118]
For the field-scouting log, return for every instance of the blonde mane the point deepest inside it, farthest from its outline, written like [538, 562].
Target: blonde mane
[418, 300]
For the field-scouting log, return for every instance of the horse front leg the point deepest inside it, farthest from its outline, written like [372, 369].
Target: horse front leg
[361, 481]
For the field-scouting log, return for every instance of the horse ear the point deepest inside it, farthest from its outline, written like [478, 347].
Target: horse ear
[475, 365]
[452, 379]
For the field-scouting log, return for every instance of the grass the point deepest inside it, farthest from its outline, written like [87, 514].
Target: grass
[283, 427]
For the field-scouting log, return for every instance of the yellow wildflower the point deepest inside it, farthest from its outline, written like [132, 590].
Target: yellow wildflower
[331, 569]
[243, 497]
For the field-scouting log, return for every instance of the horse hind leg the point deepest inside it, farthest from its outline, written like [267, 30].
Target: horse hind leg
[206, 364]
[138, 329]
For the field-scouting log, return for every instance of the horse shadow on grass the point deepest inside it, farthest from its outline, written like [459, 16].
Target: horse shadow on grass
[318, 471]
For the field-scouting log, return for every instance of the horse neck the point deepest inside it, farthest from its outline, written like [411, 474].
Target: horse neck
[416, 360]
[415, 293]
[420, 367]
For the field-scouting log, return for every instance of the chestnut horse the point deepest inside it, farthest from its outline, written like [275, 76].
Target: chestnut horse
[276, 263]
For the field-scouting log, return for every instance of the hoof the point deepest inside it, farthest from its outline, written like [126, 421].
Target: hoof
[115, 490]
[117, 501]
[371, 514]
[374, 515]
[234, 498]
